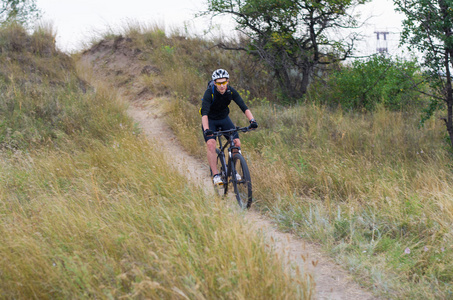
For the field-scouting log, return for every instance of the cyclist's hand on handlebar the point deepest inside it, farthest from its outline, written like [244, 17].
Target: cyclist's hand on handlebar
[253, 124]
[208, 132]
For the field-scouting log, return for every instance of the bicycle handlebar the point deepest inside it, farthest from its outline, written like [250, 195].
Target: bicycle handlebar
[242, 129]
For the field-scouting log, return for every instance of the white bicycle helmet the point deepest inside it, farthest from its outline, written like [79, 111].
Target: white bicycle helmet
[220, 73]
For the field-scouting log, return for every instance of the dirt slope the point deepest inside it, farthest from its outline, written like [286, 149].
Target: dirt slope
[117, 61]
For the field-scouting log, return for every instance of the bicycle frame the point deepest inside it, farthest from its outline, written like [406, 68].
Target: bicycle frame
[230, 141]
[236, 171]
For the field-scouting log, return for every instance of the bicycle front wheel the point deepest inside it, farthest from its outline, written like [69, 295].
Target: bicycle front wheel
[242, 184]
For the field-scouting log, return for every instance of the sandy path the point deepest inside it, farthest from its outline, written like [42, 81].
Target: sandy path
[332, 282]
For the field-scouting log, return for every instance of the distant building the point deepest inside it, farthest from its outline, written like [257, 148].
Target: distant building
[381, 44]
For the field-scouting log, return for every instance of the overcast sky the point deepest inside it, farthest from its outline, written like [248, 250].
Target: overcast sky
[76, 21]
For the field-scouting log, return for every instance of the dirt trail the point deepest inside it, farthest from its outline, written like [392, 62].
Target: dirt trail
[112, 58]
[332, 282]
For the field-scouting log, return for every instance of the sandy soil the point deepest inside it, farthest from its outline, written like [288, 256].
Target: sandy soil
[110, 58]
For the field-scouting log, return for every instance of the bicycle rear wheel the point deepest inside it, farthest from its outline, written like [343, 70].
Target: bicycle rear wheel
[243, 186]
[221, 167]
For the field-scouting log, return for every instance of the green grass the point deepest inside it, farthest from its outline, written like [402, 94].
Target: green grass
[89, 209]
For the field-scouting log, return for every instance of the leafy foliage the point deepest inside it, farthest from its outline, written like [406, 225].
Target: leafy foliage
[293, 37]
[376, 80]
[429, 28]
[22, 11]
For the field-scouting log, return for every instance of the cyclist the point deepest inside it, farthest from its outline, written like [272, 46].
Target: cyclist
[214, 114]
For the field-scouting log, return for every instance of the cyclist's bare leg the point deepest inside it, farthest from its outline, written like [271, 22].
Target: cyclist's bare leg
[237, 143]
[212, 155]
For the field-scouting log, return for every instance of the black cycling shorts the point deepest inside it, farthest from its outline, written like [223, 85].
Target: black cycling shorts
[216, 125]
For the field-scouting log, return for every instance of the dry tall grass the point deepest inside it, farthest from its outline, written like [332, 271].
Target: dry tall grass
[373, 188]
[114, 220]
[90, 210]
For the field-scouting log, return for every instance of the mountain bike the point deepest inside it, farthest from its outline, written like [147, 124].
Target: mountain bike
[235, 170]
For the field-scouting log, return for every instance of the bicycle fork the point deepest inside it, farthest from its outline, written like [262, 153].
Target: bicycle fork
[224, 168]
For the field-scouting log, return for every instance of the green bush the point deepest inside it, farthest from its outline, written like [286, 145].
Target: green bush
[364, 84]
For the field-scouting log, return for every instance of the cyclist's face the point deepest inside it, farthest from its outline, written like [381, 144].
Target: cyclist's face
[221, 85]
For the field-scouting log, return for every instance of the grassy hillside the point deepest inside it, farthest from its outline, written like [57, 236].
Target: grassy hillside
[373, 189]
[88, 209]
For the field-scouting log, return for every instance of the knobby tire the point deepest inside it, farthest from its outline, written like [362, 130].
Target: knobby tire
[242, 188]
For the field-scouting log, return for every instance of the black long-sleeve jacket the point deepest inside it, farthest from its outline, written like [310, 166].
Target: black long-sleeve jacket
[215, 106]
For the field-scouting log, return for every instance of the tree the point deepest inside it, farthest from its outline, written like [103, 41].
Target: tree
[22, 11]
[429, 28]
[293, 37]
